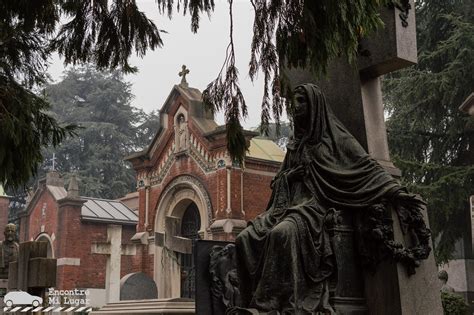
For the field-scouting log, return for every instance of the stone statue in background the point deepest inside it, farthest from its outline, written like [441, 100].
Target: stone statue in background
[285, 257]
[182, 131]
[9, 250]
[443, 276]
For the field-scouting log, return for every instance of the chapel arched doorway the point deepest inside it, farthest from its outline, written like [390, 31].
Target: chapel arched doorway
[183, 212]
[190, 226]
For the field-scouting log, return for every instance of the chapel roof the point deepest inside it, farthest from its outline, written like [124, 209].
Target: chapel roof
[265, 149]
[260, 148]
[93, 209]
[107, 211]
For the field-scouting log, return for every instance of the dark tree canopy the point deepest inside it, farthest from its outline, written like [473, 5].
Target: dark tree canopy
[98, 31]
[106, 33]
[430, 139]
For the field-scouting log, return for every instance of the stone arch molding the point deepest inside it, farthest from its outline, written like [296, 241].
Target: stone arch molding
[45, 237]
[174, 200]
[178, 194]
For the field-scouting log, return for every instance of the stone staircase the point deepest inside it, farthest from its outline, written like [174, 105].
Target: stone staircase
[156, 306]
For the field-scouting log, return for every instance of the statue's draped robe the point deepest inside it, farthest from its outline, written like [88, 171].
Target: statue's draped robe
[284, 255]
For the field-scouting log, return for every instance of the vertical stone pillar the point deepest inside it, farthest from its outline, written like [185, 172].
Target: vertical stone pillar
[4, 204]
[112, 281]
[69, 241]
[348, 290]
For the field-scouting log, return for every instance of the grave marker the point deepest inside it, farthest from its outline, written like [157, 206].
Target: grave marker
[114, 250]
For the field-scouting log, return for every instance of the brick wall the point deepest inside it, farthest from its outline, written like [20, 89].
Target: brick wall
[73, 239]
[257, 193]
[43, 214]
[255, 188]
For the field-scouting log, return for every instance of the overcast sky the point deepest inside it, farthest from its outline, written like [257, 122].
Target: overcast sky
[203, 53]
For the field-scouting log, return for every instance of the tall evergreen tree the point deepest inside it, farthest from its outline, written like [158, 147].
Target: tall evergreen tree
[110, 129]
[430, 139]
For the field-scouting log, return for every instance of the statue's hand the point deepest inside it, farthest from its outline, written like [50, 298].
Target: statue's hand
[295, 174]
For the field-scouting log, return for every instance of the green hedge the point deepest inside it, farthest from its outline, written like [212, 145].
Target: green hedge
[453, 304]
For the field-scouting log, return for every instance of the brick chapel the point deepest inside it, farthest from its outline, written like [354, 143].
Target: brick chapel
[188, 188]
[89, 237]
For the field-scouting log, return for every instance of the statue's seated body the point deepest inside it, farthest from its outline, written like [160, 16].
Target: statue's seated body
[285, 257]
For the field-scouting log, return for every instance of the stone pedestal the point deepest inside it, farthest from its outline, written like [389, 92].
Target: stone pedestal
[158, 306]
[347, 285]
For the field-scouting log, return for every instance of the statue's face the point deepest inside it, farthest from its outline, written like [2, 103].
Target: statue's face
[300, 114]
[10, 234]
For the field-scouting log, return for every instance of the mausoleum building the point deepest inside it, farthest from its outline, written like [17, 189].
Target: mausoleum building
[189, 188]
[89, 237]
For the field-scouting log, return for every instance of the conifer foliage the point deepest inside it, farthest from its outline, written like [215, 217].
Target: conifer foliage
[430, 139]
[293, 33]
[109, 130]
[106, 33]
[100, 32]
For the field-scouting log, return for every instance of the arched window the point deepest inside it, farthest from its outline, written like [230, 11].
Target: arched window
[190, 226]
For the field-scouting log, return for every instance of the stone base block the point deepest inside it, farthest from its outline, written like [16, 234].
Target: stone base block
[156, 306]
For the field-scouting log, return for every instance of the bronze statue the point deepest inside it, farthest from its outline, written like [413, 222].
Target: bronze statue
[9, 250]
[285, 257]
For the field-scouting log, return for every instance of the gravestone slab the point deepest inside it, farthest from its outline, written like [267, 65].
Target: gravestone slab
[137, 286]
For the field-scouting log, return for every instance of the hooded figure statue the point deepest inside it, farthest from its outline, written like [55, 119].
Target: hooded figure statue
[284, 256]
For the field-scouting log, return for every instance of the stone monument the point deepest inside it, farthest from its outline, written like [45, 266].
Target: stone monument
[298, 257]
[8, 253]
[137, 286]
[114, 250]
[355, 95]
[32, 272]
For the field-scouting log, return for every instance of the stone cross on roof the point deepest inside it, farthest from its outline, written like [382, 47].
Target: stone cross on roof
[183, 73]
[53, 162]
